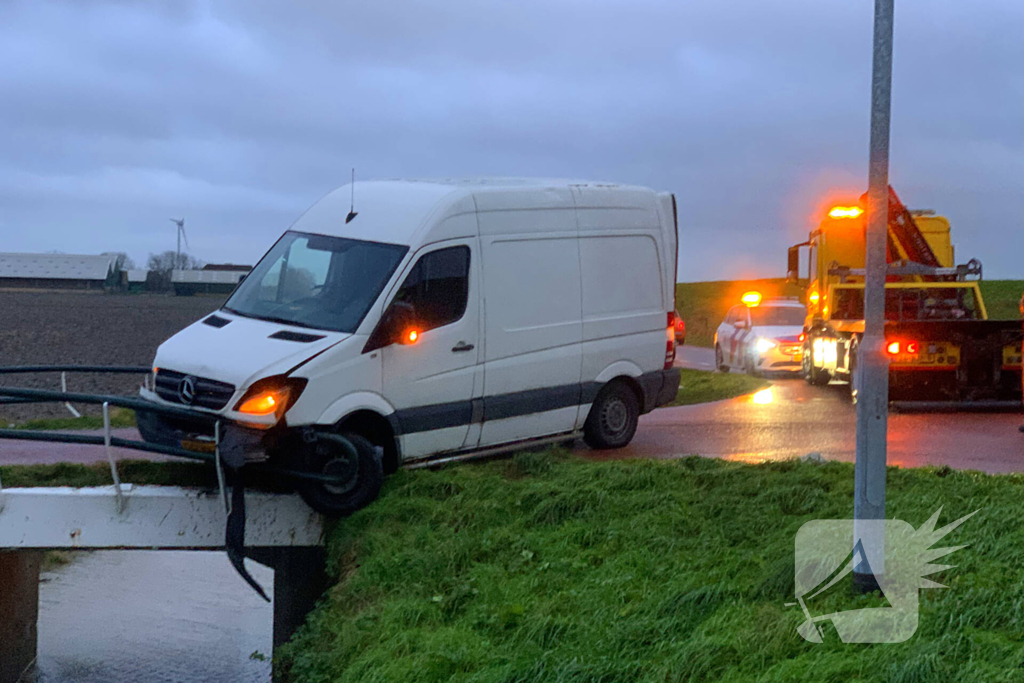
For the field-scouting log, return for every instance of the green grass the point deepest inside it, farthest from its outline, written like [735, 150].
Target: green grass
[550, 568]
[698, 386]
[130, 472]
[703, 305]
[1002, 298]
[119, 417]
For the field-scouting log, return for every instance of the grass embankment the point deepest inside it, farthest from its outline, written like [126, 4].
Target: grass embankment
[703, 305]
[699, 386]
[1002, 298]
[119, 418]
[141, 472]
[549, 568]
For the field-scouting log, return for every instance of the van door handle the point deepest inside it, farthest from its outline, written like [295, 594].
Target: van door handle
[462, 346]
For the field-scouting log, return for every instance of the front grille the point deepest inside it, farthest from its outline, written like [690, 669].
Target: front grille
[209, 393]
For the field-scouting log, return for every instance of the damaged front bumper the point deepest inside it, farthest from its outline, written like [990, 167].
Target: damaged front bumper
[238, 443]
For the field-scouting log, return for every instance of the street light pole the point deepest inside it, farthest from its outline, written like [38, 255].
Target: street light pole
[873, 396]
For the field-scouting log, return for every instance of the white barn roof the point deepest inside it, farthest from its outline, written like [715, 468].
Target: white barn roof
[137, 275]
[56, 266]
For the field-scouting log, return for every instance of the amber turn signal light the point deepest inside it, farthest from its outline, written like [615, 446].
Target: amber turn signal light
[271, 396]
[264, 403]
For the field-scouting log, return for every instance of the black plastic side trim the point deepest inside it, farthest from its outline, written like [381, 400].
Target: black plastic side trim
[531, 401]
[437, 416]
[659, 387]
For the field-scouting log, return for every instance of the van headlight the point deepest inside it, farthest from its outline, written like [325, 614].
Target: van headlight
[765, 345]
[271, 395]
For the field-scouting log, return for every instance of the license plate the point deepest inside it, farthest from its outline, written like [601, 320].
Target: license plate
[197, 446]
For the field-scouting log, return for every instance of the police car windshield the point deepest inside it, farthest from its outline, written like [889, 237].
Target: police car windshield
[767, 316]
[317, 281]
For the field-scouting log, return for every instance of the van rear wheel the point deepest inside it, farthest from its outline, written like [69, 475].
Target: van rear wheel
[351, 458]
[613, 417]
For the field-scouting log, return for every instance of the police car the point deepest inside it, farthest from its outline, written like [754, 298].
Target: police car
[761, 336]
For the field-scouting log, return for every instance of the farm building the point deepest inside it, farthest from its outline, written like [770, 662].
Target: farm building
[208, 280]
[135, 279]
[58, 271]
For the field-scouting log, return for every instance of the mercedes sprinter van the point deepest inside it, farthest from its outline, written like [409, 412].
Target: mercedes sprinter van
[400, 321]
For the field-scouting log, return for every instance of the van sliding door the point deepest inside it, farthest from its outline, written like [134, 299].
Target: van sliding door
[533, 327]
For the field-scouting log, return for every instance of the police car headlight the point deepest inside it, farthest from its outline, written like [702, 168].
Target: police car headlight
[765, 345]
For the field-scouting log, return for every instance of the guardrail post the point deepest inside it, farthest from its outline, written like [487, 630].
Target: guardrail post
[64, 390]
[110, 459]
[19, 612]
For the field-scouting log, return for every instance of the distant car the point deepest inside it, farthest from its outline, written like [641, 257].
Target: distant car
[680, 329]
[761, 336]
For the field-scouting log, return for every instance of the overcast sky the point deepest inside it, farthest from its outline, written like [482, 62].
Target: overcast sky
[117, 116]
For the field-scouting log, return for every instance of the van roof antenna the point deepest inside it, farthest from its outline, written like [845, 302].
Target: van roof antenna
[352, 211]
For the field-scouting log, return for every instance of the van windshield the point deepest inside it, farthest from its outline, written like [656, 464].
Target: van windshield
[316, 281]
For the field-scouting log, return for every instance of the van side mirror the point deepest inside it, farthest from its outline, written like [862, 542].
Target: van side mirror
[740, 324]
[398, 325]
[401, 320]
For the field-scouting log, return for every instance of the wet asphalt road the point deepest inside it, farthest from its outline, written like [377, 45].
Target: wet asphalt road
[799, 419]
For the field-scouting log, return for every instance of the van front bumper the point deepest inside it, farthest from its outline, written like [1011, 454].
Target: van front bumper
[237, 443]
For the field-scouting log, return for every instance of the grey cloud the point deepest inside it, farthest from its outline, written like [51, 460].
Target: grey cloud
[239, 114]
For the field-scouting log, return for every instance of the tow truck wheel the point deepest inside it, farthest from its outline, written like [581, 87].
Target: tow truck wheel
[720, 360]
[815, 376]
[351, 458]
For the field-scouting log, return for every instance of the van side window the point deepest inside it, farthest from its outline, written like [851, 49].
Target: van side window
[438, 287]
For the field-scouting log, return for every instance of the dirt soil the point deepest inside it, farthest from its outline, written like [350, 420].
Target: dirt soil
[85, 328]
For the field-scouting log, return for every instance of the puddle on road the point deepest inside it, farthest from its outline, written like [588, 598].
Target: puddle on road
[142, 616]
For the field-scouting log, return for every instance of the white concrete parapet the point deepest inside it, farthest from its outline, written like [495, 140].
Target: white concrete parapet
[154, 517]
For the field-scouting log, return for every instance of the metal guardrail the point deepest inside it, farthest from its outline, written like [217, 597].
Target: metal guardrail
[64, 370]
[233, 507]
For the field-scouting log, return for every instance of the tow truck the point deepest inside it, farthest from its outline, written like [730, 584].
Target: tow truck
[943, 350]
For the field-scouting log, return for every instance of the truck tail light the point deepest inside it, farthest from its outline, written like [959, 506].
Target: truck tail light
[670, 341]
[894, 348]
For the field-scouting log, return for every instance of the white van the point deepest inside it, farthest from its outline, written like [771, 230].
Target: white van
[432, 318]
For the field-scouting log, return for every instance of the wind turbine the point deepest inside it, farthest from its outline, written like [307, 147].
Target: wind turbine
[180, 222]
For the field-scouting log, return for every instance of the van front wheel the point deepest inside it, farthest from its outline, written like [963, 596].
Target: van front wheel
[351, 458]
[613, 417]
